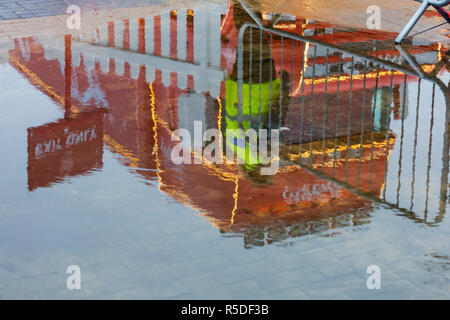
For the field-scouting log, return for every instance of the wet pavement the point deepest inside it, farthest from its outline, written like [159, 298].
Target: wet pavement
[87, 129]
[24, 9]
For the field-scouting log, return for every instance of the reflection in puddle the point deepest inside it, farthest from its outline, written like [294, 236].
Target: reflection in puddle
[355, 131]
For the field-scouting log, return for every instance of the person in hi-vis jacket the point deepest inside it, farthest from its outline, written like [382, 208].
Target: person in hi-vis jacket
[265, 97]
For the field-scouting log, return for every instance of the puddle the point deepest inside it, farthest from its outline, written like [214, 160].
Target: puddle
[89, 126]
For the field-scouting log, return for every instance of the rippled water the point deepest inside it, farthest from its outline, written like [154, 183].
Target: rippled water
[87, 132]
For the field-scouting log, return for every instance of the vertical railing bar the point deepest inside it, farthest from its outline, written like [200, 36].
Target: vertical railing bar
[325, 111]
[445, 162]
[337, 115]
[290, 93]
[430, 147]
[302, 103]
[373, 130]
[413, 181]
[361, 136]
[240, 63]
[388, 116]
[349, 119]
[401, 141]
[280, 100]
[270, 84]
[312, 106]
[260, 77]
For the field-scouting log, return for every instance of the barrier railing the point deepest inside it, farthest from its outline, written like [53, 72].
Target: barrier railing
[353, 119]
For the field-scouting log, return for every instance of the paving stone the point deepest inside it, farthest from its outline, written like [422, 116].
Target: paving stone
[164, 288]
[135, 293]
[288, 259]
[7, 15]
[241, 272]
[335, 288]
[289, 294]
[248, 288]
[328, 265]
[27, 285]
[206, 286]
[290, 279]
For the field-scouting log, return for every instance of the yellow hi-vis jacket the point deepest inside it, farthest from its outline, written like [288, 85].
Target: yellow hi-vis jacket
[261, 97]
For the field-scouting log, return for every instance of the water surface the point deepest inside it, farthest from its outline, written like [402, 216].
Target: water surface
[88, 179]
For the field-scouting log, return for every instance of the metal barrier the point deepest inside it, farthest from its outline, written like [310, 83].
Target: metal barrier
[357, 120]
[437, 4]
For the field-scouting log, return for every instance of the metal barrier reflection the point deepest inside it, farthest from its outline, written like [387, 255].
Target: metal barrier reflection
[354, 119]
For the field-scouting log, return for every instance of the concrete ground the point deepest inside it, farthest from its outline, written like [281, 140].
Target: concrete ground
[31, 17]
